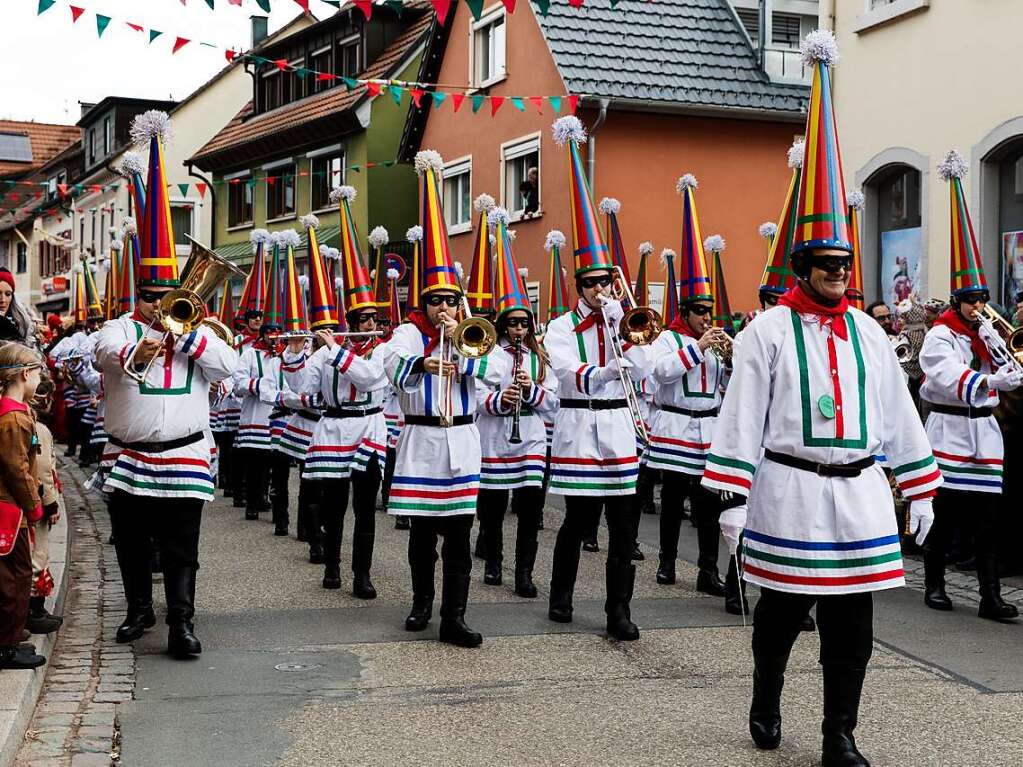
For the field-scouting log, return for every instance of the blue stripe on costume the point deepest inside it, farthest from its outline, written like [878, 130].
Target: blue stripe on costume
[870, 543]
[438, 482]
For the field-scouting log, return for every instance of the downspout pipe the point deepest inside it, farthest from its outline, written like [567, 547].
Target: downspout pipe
[591, 151]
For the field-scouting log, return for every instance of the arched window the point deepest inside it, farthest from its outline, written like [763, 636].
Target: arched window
[899, 243]
[1009, 160]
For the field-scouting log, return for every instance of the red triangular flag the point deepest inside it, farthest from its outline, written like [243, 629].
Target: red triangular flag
[373, 88]
[576, 3]
[76, 13]
[180, 43]
[495, 104]
[282, 64]
[229, 54]
[136, 27]
[271, 180]
[573, 101]
[62, 188]
[366, 6]
[441, 7]
[416, 94]
[537, 101]
[201, 187]
[457, 99]
[304, 4]
[325, 76]
[510, 5]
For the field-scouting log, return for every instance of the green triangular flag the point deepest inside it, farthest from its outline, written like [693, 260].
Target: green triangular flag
[543, 5]
[153, 34]
[184, 187]
[517, 103]
[476, 8]
[395, 5]
[438, 98]
[101, 24]
[477, 102]
[396, 91]
[264, 4]
[45, 5]
[301, 71]
[335, 3]
[556, 103]
[350, 83]
[210, 4]
[614, 3]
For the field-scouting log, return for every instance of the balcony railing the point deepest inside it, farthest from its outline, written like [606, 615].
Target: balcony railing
[785, 65]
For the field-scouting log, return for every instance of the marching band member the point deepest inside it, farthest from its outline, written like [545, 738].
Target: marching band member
[160, 475]
[223, 406]
[962, 379]
[437, 467]
[817, 388]
[593, 459]
[511, 423]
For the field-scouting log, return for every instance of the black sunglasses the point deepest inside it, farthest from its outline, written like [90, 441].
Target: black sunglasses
[519, 322]
[360, 318]
[700, 309]
[979, 297]
[771, 299]
[149, 296]
[592, 282]
[833, 264]
[438, 300]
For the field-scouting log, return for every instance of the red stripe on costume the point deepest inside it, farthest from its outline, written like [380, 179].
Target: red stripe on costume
[579, 379]
[917, 481]
[680, 442]
[928, 494]
[595, 461]
[841, 580]
[728, 479]
[962, 380]
[438, 494]
[158, 461]
[200, 348]
[332, 448]
[836, 386]
[968, 459]
[514, 459]
[349, 356]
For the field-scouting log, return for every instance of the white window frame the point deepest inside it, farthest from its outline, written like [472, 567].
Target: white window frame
[319, 87]
[486, 19]
[266, 197]
[327, 152]
[452, 168]
[511, 150]
[884, 14]
[183, 249]
[344, 43]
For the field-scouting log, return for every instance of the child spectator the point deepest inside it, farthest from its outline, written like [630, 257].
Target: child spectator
[40, 621]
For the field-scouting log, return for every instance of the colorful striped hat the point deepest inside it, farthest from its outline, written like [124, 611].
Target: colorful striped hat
[670, 286]
[94, 306]
[226, 313]
[128, 268]
[111, 294]
[158, 260]
[778, 275]
[854, 293]
[255, 284]
[480, 290]
[132, 168]
[378, 238]
[642, 289]
[438, 270]
[693, 278]
[358, 290]
[273, 299]
[293, 285]
[322, 301]
[722, 311]
[609, 206]
[821, 207]
[967, 270]
[557, 291]
[589, 248]
[414, 234]
[509, 280]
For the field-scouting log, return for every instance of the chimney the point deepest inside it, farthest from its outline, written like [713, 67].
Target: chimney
[86, 107]
[258, 29]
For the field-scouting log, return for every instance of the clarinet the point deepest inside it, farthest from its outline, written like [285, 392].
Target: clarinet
[515, 437]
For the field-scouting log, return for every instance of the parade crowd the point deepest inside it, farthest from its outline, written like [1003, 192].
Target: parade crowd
[796, 436]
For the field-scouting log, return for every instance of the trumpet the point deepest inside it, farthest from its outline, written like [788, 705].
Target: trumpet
[1003, 340]
[722, 347]
[902, 346]
[472, 338]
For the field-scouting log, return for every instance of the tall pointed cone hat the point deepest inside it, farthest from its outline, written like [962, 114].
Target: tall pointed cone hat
[393, 310]
[94, 306]
[358, 290]
[588, 244]
[778, 275]
[378, 238]
[273, 299]
[967, 270]
[721, 314]
[509, 281]
[79, 305]
[821, 208]
[670, 312]
[322, 302]
[557, 290]
[609, 206]
[292, 289]
[255, 284]
[415, 282]
[112, 297]
[158, 260]
[854, 293]
[130, 228]
[132, 168]
[129, 265]
[438, 270]
[480, 290]
[693, 277]
[226, 313]
[642, 289]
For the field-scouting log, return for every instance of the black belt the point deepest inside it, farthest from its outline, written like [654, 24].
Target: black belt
[432, 420]
[158, 447]
[686, 411]
[309, 415]
[282, 413]
[594, 404]
[350, 412]
[965, 412]
[823, 469]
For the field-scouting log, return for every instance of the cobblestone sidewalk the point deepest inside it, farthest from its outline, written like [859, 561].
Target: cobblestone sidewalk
[75, 720]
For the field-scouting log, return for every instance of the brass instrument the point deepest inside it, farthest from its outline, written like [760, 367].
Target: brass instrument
[902, 346]
[1004, 341]
[183, 309]
[722, 347]
[472, 338]
[67, 374]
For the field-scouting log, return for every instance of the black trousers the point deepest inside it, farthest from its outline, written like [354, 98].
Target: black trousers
[582, 515]
[845, 623]
[225, 449]
[705, 507]
[237, 473]
[974, 515]
[173, 523]
[73, 418]
[257, 476]
[422, 550]
[527, 504]
[280, 473]
[333, 502]
[385, 488]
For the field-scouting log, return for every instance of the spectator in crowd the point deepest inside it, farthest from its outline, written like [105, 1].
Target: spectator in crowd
[879, 311]
[40, 620]
[15, 322]
[530, 191]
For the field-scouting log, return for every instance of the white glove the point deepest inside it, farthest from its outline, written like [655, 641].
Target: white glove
[921, 517]
[610, 372]
[733, 522]
[268, 392]
[1006, 378]
[613, 312]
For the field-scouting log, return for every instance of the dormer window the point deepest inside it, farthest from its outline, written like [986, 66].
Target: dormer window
[349, 59]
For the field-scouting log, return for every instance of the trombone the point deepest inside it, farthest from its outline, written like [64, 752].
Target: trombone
[640, 325]
[1004, 341]
[183, 309]
[473, 337]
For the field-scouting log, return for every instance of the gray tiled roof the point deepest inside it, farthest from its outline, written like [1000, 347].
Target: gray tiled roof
[682, 52]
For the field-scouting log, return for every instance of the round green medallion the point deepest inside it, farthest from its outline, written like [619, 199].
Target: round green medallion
[826, 404]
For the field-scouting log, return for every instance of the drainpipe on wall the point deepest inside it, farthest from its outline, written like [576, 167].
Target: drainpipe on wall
[213, 204]
[591, 152]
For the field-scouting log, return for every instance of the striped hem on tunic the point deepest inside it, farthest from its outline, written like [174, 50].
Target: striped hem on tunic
[511, 472]
[593, 476]
[171, 474]
[676, 455]
[433, 496]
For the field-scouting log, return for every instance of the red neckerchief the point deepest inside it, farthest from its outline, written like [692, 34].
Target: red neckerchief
[950, 319]
[798, 301]
[679, 325]
[418, 318]
[137, 316]
[589, 320]
[365, 347]
[247, 338]
[8, 405]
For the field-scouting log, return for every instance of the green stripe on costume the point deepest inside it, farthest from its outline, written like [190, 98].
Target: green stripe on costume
[928, 461]
[469, 505]
[594, 485]
[820, 564]
[732, 463]
[201, 488]
[951, 469]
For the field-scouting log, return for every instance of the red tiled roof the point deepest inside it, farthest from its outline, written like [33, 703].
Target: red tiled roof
[245, 128]
[46, 139]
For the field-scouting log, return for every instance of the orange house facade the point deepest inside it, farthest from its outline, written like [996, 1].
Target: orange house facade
[661, 94]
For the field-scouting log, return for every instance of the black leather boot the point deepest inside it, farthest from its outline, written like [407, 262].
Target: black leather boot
[842, 686]
[332, 576]
[590, 545]
[362, 586]
[179, 587]
[493, 549]
[315, 553]
[362, 561]
[645, 490]
[182, 642]
[619, 577]
[765, 709]
[934, 580]
[402, 522]
[480, 550]
[139, 618]
[40, 621]
[525, 557]
[16, 658]
[454, 597]
[280, 519]
[666, 570]
[422, 592]
[637, 553]
[992, 606]
[808, 624]
[709, 582]
[735, 591]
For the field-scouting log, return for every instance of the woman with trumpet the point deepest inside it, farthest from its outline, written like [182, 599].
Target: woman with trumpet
[511, 423]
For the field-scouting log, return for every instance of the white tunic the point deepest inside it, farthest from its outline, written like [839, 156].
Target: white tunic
[506, 466]
[257, 381]
[594, 451]
[969, 450]
[437, 470]
[801, 390]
